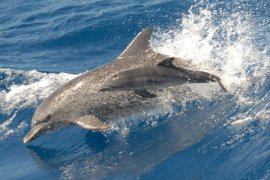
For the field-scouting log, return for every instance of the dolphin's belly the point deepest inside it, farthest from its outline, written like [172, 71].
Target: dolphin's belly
[111, 106]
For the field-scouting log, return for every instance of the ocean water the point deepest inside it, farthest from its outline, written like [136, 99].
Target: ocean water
[213, 135]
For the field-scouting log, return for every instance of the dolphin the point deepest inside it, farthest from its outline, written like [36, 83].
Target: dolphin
[82, 101]
[164, 74]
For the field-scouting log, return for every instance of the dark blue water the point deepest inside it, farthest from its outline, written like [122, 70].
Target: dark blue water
[207, 134]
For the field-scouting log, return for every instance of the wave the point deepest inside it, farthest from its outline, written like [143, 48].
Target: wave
[228, 39]
[222, 41]
[20, 90]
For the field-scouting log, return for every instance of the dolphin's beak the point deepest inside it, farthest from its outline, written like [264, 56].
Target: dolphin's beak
[32, 134]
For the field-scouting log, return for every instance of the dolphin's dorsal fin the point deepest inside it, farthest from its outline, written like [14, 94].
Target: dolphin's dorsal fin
[139, 44]
[167, 63]
[92, 123]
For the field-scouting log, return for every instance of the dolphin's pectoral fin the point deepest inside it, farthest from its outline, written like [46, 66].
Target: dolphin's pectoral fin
[105, 89]
[92, 122]
[145, 93]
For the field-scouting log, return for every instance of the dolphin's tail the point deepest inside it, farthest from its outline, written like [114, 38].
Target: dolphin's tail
[217, 79]
[222, 86]
[205, 77]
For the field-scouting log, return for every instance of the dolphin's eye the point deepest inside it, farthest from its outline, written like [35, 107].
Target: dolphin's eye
[43, 120]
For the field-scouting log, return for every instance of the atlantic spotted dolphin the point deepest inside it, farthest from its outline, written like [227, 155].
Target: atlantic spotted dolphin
[82, 101]
[164, 74]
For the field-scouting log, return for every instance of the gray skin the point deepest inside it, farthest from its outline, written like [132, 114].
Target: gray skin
[81, 101]
[163, 75]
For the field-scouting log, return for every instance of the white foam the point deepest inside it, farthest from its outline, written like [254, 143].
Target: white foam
[4, 126]
[6, 131]
[195, 39]
[225, 49]
[31, 88]
[34, 88]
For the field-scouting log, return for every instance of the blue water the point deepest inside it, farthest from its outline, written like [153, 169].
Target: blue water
[207, 134]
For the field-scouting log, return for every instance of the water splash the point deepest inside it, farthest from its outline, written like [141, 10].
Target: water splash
[6, 131]
[21, 89]
[218, 41]
[223, 41]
